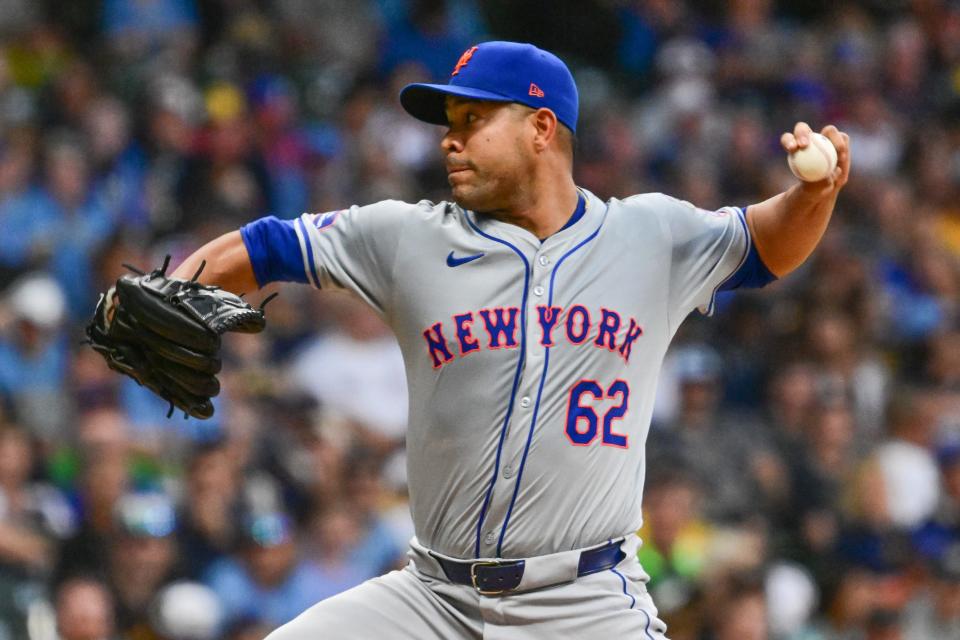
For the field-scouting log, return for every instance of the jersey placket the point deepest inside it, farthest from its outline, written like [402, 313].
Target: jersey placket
[523, 423]
[530, 388]
[493, 508]
[515, 438]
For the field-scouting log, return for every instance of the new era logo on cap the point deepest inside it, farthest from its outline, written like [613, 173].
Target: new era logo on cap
[500, 72]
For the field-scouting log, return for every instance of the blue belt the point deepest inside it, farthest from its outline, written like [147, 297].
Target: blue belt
[496, 577]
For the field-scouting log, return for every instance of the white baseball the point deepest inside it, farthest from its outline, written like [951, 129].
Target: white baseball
[814, 162]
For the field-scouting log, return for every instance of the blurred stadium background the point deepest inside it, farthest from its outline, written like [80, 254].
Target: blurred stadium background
[804, 479]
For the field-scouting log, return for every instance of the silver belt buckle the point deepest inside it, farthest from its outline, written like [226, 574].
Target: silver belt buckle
[473, 577]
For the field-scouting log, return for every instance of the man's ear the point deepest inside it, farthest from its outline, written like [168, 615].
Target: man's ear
[545, 122]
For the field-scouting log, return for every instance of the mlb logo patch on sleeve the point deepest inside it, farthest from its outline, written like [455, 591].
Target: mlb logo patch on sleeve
[323, 220]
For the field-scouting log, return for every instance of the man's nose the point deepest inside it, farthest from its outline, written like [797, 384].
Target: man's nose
[451, 143]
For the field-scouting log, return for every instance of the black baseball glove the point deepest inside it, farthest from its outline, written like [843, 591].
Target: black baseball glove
[165, 333]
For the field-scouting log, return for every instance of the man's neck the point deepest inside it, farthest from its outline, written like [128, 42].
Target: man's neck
[545, 212]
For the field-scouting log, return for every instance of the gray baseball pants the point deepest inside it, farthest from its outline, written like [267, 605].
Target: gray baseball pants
[418, 603]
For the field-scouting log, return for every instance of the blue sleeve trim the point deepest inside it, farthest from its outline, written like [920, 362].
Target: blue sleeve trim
[274, 250]
[308, 248]
[753, 273]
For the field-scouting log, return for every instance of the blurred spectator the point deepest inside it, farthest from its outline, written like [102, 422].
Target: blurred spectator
[84, 610]
[174, 113]
[878, 143]
[791, 401]
[819, 472]
[141, 557]
[212, 507]
[80, 223]
[909, 468]
[24, 222]
[676, 545]
[870, 539]
[722, 449]
[875, 552]
[119, 164]
[846, 371]
[33, 518]
[304, 459]
[740, 610]
[20, 545]
[273, 100]
[226, 179]
[34, 355]
[104, 462]
[268, 584]
[375, 549]
[645, 25]
[922, 288]
[367, 385]
[341, 561]
[72, 90]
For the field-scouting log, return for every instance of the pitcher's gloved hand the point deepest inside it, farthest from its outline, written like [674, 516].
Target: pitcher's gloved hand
[165, 333]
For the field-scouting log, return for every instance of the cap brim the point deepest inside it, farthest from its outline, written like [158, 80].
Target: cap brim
[428, 102]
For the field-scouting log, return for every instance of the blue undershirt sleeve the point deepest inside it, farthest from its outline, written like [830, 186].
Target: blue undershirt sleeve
[753, 273]
[275, 252]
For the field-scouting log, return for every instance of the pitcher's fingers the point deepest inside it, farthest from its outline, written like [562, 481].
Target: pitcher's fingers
[802, 133]
[788, 142]
[834, 136]
[843, 152]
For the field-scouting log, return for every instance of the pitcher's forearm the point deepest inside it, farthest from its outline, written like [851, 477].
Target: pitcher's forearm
[228, 264]
[787, 227]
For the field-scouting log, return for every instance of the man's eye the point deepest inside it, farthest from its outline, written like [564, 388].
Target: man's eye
[471, 117]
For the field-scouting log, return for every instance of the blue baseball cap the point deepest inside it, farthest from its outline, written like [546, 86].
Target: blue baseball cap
[146, 515]
[500, 72]
[268, 530]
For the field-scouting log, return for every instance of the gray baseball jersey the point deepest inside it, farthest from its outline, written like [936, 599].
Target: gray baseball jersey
[531, 365]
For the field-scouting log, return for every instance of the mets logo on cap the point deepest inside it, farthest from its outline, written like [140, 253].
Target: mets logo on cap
[464, 59]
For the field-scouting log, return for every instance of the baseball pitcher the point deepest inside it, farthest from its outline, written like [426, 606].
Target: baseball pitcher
[533, 318]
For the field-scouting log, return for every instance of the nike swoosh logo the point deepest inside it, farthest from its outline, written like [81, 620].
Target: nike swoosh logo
[456, 262]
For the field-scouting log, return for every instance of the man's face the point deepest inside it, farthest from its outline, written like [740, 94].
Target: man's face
[84, 611]
[270, 566]
[147, 558]
[488, 152]
[749, 621]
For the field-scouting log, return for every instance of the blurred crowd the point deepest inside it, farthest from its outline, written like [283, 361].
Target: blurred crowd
[804, 461]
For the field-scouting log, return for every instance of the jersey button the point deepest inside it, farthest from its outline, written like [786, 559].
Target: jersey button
[524, 402]
[543, 260]
[491, 537]
[538, 290]
[508, 471]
